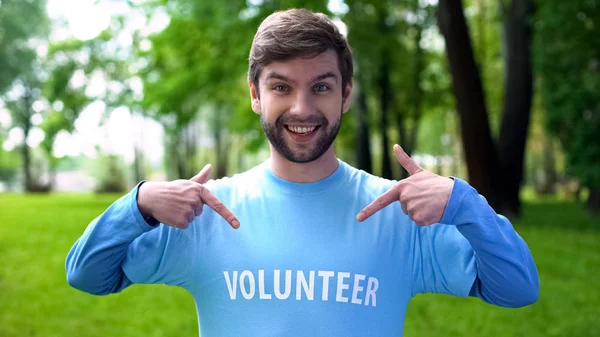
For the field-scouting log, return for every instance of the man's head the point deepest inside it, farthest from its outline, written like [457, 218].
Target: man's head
[300, 78]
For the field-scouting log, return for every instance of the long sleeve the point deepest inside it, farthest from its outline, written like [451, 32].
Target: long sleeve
[94, 262]
[506, 272]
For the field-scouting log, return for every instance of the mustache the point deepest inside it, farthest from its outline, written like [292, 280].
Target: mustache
[289, 119]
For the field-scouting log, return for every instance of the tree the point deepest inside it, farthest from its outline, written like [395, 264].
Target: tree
[20, 21]
[196, 74]
[22, 24]
[9, 163]
[66, 104]
[389, 71]
[71, 64]
[495, 169]
[568, 62]
[20, 103]
[480, 150]
[363, 141]
[518, 93]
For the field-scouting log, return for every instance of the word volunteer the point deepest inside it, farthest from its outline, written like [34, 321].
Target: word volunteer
[363, 291]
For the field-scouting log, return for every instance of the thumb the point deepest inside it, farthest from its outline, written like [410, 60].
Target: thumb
[406, 161]
[203, 175]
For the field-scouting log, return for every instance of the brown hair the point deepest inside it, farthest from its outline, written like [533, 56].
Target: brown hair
[293, 33]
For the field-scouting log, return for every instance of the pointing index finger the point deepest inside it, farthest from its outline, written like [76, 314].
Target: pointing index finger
[219, 207]
[384, 200]
[406, 161]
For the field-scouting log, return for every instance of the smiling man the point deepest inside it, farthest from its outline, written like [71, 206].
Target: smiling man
[317, 247]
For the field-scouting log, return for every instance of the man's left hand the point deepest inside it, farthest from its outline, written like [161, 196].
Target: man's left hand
[423, 196]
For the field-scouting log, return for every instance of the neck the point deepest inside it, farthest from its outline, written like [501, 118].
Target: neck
[311, 172]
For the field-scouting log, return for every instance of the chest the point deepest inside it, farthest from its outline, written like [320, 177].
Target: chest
[305, 250]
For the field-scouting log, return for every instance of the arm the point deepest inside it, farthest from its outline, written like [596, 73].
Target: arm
[94, 263]
[119, 248]
[477, 252]
[506, 273]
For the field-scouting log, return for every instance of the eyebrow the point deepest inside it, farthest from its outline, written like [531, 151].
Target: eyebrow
[276, 76]
[326, 75]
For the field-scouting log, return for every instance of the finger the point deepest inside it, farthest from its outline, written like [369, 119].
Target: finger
[406, 162]
[219, 207]
[384, 200]
[198, 209]
[190, 217]
[202, 176]
[404, 209]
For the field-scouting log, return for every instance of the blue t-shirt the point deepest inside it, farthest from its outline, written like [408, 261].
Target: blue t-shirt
[300, 263]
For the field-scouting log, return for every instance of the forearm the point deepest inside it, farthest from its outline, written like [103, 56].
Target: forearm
[94, 262]
[506, 273]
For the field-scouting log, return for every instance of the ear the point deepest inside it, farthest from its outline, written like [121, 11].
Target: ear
[346, 99]
[254, 97]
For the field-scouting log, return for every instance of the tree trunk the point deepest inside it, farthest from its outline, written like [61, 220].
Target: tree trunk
[192, 149]
[221, 153]
[403, 139]
[593, 202]
[481, 156]
[363, 143]
[223, 162]
[481, 23]
[179, 160]
[385, 91]
[410, 134]
[138, 164]
[384, 100]
[240, 155]
[518, 91]
[548, 185]
[52, 173]
[25, 151]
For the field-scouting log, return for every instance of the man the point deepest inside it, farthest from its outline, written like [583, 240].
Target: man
[314, 248]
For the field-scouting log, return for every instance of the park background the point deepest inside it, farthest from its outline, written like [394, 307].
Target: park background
[98, 95]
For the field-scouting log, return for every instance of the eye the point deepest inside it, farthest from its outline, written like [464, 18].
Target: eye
[321, 88]
[280, 87]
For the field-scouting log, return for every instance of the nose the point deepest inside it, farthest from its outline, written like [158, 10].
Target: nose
[303, 104]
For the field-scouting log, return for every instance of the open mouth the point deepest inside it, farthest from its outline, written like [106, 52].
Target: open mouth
[302, 130]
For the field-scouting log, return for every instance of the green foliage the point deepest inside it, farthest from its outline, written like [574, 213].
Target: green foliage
[567, 59]
[194, 72]
[437, 126]
[486, 30]
[398, 39]
[9, 164]
[111, 174]
[37, 301]
[19, 22]
[72, 58]
[432, 133]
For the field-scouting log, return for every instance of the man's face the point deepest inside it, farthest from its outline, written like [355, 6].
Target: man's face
[301, 105]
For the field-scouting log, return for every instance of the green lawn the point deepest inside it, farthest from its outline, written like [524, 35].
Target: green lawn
[36, 233]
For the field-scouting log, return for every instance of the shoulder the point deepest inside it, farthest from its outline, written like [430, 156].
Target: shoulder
[368, 183]
[238, 185]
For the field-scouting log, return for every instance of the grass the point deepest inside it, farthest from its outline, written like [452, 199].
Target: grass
[37, 231]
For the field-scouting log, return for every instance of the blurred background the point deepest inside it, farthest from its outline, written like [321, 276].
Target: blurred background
[96, 95]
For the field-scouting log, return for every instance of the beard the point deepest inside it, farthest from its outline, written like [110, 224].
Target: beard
[325, 137]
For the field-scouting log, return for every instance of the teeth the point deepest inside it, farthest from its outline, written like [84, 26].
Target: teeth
[298, 129]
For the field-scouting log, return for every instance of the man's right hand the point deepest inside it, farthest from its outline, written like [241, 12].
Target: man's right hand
[177, 203]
